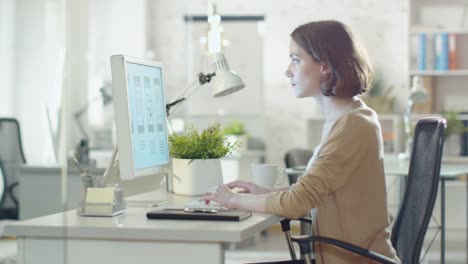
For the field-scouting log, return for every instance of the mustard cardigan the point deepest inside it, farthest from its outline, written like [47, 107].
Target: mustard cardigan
[346, 184]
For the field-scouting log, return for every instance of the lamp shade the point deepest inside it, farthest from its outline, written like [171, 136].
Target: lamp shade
[225, 81]
[418, 93]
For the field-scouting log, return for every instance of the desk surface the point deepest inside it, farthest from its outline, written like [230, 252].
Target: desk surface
[394, 166]
[134, 225]
[449, 169]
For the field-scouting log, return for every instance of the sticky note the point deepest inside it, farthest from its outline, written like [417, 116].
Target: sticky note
[99, 201]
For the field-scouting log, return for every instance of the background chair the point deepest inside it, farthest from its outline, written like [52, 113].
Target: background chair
[295, 158]
[11, 155]
[415, 210]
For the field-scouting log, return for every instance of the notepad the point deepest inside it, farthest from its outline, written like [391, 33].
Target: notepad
[180, 214]
[99, 201]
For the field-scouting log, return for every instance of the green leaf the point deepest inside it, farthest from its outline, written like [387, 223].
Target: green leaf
[209, 144]
[235, 128]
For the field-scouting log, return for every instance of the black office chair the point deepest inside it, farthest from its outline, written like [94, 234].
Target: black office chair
[416, 207]
[11, 155]
[2, 184]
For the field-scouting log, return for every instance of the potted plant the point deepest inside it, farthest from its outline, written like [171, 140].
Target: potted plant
[235, 133]
[455, 128]
[196, 163]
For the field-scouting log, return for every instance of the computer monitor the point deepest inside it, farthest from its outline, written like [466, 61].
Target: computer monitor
[140, 116]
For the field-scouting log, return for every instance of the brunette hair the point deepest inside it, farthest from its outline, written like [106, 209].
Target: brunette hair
[331, 42]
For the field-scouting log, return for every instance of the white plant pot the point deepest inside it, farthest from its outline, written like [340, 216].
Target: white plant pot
[196, 178]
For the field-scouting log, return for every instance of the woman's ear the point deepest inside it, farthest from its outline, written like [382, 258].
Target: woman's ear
[325, 71]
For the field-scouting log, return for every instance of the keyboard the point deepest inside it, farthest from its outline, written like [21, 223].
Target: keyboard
[195, 204]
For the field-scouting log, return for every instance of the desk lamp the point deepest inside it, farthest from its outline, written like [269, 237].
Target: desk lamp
[106, 99]
[225, 82]
[418, 95]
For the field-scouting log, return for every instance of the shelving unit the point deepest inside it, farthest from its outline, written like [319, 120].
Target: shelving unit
[448, 89]
[462, 72]
[414, 31]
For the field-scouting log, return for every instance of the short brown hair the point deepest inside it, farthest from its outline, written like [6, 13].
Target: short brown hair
[332, 43]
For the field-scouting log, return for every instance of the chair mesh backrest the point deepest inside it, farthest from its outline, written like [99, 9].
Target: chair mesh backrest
[421, 189]
[11, 149]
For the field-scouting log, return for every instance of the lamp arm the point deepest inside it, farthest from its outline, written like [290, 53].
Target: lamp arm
[407, 124]
[81, 127]
[198, 82]
[77, 116]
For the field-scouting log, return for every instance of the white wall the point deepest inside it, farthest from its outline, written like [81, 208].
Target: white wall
[115, 27]
[30, 73]
[90, 31]
[130, 27]
[381, 26]
[7, 26]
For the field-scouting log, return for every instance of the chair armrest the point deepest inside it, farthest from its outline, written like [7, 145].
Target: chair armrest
[304, 243]
[286, 223]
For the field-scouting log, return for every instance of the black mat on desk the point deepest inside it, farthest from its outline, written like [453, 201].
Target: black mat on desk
[180, 214]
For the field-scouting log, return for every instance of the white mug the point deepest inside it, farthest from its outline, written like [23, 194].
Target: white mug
[270, 175]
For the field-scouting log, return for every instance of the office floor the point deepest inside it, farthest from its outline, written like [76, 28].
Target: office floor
[271, 247]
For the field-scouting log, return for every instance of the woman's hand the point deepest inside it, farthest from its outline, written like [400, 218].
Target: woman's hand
[249, 187]
[223, 196]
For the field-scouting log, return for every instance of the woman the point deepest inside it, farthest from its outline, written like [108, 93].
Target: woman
[345, 177]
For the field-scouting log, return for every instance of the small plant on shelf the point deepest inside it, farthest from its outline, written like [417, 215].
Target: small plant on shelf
[236, 128]
[454, 125]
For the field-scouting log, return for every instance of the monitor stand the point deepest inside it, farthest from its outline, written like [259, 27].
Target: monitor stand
[112, 176]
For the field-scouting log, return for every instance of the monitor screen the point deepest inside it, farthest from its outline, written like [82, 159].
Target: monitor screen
[140, 114]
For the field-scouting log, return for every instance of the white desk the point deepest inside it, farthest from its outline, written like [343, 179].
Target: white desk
[66, 238]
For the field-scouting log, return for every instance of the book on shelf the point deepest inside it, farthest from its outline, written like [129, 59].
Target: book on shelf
[436, 51]
[425, 51]
[442, 51]
[453, 63]
[422, 51]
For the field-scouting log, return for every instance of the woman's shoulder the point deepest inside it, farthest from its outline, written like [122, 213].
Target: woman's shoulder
[361, 118]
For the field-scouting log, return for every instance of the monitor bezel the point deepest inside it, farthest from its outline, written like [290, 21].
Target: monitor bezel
[123, 118]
